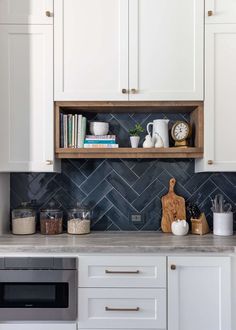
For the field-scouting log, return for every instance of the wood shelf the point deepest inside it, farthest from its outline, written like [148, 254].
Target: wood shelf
[193, 108]
[130, 153]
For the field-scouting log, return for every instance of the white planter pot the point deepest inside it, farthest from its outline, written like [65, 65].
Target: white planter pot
[134, 140]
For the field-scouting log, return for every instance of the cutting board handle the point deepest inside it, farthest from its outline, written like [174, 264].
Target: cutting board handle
[172, 185]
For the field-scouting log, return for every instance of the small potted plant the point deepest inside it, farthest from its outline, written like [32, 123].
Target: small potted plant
[135, 135]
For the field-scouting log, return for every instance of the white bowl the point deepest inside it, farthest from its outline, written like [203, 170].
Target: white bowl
[99, 128]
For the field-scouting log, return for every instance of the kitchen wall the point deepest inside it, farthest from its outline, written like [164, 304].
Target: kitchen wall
[4, 202]
[116, 188]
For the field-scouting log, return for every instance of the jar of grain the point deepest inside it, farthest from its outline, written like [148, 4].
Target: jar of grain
[78, 221]
[23, 220]
[51, 220]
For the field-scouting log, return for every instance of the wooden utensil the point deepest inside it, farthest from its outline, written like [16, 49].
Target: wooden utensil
[173, 208]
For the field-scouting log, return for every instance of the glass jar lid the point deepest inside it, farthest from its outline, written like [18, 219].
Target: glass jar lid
[51, 208]
[79, 208]
[25, 207]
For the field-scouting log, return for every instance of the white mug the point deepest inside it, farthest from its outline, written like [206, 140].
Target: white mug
[160, 126]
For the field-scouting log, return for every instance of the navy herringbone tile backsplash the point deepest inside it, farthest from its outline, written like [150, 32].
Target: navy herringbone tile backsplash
[116, 188]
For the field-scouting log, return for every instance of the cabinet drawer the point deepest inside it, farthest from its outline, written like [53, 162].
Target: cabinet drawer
[122, 308]
[122, 271]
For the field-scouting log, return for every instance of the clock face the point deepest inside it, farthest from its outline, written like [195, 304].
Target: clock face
[180, 131]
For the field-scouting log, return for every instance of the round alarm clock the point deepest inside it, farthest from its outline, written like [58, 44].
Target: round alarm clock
[180, 132]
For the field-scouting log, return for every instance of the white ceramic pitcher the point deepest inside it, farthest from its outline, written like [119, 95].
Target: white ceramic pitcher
[160, 126]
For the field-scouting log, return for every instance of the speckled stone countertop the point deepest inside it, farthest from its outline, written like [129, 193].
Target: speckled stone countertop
[117, 242]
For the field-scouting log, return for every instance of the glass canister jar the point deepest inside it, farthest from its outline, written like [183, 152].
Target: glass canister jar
[51, 220]
[79, 219]
[24, 220]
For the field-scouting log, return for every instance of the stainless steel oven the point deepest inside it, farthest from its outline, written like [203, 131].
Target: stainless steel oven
[38, 289]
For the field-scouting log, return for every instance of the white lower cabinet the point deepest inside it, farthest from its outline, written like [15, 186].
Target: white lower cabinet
[122, 308]
[199, 293]
[35, 326]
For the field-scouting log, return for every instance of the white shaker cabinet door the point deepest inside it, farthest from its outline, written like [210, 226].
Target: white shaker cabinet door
[26, 11]
[220, 11]
[26, 94]
[91, 50]
[199, 293]
[166, 49]
[220, 112]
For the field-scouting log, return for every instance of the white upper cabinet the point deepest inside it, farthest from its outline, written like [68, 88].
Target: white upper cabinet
[91, 50]
[199, 293]
[220, 87]
[220, 11]
[129, 50]
[26, 11]
[166, 49]
[26, 94]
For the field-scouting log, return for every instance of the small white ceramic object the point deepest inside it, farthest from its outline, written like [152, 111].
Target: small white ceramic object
[223, 224]
[134, 140]
[148, 143]
[159, 142]
[160, 126]
[99, 128]
[180, 227]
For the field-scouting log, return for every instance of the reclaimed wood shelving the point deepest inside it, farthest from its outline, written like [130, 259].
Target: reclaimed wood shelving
[195, 110]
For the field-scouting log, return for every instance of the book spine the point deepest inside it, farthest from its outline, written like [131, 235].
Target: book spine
[69, 131]
[73, 132]
[83, 131]
[65, 122]
[99, 141]
[100, 137]
[97, 146]
[76, 130]
[80, 142]
[61, 130]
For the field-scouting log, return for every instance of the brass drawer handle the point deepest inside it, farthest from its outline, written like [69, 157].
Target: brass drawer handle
[210, 162]
[210, 13]
[173, 267]
[122, 271]
[49, 162]
[109, 309]
[134, 91]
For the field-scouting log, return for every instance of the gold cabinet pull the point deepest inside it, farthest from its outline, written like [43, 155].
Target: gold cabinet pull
[210, 13]
[173, 267]
[49, 162]
[48, 13]
[124, 91]
[122, 271]
[109, 309]
[210, 162]
[134, 91]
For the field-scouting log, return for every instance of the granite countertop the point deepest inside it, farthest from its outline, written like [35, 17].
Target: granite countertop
[117, 242]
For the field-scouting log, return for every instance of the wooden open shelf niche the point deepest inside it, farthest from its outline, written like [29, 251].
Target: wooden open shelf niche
[195, 109]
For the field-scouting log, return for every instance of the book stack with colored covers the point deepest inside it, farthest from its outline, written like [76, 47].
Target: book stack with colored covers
[73, 130]
[100, 141]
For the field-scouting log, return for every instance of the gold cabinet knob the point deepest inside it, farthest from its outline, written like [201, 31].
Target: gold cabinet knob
[133, 90]
[49, 162]
[124, 91]
[173, 267]
[48, 13]
[210, 162]
[210, 13]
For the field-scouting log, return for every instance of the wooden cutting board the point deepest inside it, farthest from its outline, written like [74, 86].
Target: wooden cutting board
[173, 208]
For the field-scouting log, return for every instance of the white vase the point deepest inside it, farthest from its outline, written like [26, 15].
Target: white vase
[134, 140]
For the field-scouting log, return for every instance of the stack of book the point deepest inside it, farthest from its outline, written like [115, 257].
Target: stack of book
[100, 141]
[73, 130]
